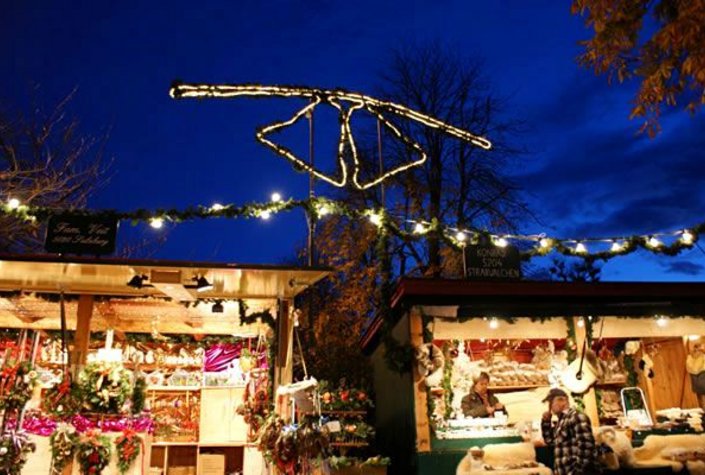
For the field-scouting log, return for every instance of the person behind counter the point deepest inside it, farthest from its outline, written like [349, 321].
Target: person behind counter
[481, 402]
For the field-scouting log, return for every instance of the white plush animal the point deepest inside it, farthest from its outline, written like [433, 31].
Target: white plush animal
[620, 445]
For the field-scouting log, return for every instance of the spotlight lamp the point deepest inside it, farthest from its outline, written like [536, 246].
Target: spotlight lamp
[202, 284]
[137, 281]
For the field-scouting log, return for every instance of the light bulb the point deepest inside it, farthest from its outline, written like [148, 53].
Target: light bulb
[544, 243]
[580, 248]
[494, 323]
[376, 219]
[217, 207]
[323, 210]
[581, 323]
[500, 242]
[266, 214]
[654, 242]
[13, 203]
[460, 236]
[687, 237]
[419, 228]
[617, 247]
[276, 197]
[662, 321]
[156, 223]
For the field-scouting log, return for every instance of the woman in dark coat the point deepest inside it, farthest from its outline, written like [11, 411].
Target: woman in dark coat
[481, 402]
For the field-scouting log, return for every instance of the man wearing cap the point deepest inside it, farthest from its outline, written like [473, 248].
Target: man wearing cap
[571, 437]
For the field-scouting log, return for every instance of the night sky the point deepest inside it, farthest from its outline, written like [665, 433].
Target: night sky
[587, 174]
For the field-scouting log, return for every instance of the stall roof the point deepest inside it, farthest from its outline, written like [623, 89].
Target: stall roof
[527, 298]
[465, 298]
[109, 277]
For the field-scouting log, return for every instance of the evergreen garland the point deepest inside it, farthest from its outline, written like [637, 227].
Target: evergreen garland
[139, 394]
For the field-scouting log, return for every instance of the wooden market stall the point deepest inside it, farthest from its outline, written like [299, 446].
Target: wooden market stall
[524, 335]
[198, 333]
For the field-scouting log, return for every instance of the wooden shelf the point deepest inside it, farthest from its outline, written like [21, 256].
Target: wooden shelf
[516, 388]
[349, 444]
[173, 388]
[174, 444]
[607, 384]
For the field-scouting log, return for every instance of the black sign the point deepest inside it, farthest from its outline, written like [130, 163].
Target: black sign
[81, 235]
[490, 262]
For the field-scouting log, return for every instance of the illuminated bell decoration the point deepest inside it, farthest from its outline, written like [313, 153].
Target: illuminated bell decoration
[346, 103]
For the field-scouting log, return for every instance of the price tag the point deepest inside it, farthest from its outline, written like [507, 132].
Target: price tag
[333, 426]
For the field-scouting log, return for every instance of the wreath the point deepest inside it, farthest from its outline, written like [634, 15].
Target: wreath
[15, 448]
[128, 447]
[63, 400]
[93, 453]
[105, 387]
[16, 386]
[63, 442]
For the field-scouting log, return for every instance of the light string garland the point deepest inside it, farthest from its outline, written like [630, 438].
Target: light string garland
[346, 103]
[530, 246]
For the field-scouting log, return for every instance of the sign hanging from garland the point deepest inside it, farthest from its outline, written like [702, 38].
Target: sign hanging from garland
[490, 262]
[92, 235]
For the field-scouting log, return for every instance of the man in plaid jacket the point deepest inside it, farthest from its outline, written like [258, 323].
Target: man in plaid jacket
[571, 437]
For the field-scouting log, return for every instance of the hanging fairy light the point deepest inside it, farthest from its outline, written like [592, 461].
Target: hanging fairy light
[322, 210]
[500, 242]
[276, 197]
[617, 246]
[580, 248]
[494, 323]
[419, 228]
[376, 219]
[265, 214]
[544, 243]
[13, 203]
[156, 223]
[687, 237]
[662, 321]
[653, 242]
[580, 323]
[217, 207]
[461, 237]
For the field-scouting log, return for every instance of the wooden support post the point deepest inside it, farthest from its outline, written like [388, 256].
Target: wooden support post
[284, 359]
[423, 428]
[83, 333]
[589, 398]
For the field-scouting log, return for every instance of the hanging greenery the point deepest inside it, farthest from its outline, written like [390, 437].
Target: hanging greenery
[127, 448]
[93, 453]
[64, 443]
[409, 231]
[105, 387]
[63, 400]
[16, 386]
[264, 316]
[138, 394]
[15, 448]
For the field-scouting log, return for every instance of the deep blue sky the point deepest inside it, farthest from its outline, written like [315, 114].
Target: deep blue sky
[589, 174]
